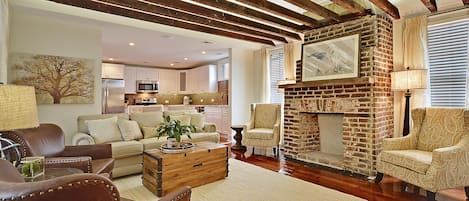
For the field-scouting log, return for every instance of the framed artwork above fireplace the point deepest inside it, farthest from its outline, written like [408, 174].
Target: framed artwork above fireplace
[331, 59]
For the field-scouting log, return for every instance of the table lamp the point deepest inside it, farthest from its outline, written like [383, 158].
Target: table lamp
[408, 80]
[18, 110]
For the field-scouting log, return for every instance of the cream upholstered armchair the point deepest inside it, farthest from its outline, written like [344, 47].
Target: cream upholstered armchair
[435, 154]
[264, 127]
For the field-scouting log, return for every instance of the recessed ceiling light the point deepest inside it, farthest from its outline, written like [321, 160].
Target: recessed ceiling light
[203, 52]
[171, 64]
[131, 44]
[111, 59]
[185, 59]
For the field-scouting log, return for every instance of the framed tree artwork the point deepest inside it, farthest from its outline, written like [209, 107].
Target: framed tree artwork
[56, 79]
[331, 59]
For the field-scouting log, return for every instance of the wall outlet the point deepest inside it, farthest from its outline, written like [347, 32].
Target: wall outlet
[213, 100]
[166, 101]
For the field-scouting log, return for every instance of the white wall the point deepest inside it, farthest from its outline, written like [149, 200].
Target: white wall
[39, 34]
[244, 84]
[4, 34]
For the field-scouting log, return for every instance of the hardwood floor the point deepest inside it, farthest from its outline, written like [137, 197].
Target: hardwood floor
[390, 189]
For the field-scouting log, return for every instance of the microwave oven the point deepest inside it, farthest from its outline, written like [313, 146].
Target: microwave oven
[147, 86]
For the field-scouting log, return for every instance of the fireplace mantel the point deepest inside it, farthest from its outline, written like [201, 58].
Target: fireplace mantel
[361, 80]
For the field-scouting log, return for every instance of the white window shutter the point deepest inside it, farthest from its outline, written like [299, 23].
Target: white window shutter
[448, 60]
[276, 62]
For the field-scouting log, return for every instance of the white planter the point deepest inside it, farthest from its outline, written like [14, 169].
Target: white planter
[171, 141]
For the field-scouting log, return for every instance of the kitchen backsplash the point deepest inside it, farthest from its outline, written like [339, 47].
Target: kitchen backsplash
[176, 99]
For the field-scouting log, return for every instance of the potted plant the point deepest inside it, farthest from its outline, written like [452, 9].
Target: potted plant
[174, 130]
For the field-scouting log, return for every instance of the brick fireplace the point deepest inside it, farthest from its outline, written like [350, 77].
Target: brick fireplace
[364, 104]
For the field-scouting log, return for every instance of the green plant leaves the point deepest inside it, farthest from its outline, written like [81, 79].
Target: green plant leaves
[174, 129]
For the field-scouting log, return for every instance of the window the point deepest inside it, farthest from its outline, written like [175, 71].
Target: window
[276, 68]
[448, 63]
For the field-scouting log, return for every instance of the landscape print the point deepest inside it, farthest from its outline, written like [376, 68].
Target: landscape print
[56, 79]
[331, 59]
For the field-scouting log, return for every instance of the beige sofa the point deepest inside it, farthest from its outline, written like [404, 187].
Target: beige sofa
[128, 155]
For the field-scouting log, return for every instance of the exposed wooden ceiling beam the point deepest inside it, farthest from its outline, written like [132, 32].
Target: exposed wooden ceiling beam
[387, 8]
[217, 15]
[315, 8]
[166, 12]
[110, 9]
[430, 4]
[350, 5]
[282, 11]
[244, 11]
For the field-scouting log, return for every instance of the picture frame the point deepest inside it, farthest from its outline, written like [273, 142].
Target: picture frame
[337, 58]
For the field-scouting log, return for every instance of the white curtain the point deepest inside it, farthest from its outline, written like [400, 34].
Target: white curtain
[290, 67]
[265, 86]
[414, 54]
[4, 35]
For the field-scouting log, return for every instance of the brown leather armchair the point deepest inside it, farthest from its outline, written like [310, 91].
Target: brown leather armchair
[48, 140]
[77, 187]
[182, 194]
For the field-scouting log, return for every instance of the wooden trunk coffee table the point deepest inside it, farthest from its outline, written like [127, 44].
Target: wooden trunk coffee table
[163, 173]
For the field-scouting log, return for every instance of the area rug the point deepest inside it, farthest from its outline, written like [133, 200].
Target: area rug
[245, 182]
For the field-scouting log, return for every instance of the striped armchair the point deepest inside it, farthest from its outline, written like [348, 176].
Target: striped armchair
[435, 154]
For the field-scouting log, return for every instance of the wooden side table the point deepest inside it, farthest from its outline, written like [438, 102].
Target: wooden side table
[238, 137]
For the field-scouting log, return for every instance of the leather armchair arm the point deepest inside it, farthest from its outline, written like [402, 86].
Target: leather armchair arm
[97, 151]
[77, 187]
[82, 163]
[82, 139]
[210, 127]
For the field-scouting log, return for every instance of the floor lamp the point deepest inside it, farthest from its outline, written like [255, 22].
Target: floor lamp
[18, 110]
[408, 80]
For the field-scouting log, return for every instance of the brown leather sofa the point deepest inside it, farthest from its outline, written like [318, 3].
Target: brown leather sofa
[48, 140]
[77, 187]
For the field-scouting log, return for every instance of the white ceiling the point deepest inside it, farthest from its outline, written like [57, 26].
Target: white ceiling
[154, 48]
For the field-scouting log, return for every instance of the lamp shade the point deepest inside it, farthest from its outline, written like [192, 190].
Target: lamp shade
[18, 108]
[409, 79]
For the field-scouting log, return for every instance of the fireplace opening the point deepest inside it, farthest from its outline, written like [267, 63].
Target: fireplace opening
[325, 139]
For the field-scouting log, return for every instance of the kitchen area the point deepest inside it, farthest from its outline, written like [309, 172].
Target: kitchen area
[133, 89]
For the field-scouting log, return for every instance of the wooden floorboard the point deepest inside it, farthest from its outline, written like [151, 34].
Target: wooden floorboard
[389, 189]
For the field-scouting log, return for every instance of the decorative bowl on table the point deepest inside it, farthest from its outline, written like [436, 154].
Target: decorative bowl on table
[32, 167]
[177, 148]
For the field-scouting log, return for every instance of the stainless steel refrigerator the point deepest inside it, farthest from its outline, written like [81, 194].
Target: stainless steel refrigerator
[113, 96]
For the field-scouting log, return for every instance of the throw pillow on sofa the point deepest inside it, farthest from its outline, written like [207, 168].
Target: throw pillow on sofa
[149, 132]
[147, 119]
[104, 130]
[129, 129]
[198, 120]
[184, 119]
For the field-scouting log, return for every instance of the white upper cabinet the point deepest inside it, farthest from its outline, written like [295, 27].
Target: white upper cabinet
[112, 71]
[168, 82]
[202, 79]
[147, 74]
[207, 79]
[130, 78]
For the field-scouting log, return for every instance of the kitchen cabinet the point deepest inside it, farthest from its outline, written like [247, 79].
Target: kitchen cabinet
[112, 71]
[223, 71]
[168, 81]
[183, 82]
[147, 74]
[130, 78]
[207, 79]
[220, 116]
